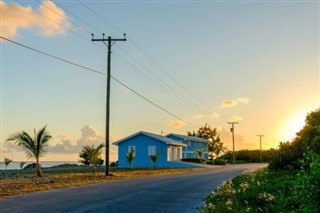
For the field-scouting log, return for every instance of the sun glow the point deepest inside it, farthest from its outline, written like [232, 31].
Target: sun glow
[294, 125]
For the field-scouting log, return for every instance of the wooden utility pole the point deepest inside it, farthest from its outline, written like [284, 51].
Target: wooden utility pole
[110, 41]
[232, 130]
[260, 147]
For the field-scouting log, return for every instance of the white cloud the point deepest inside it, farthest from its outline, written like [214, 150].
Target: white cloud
[16, 16]
[176, 124]
[234, 102]
[89, 136]
[235, 118]
[244, 100]
[214, 115]
[228, 103]
[200, 116]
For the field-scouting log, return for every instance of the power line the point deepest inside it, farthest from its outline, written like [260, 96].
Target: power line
[52, 56]
[103, 19]
[64, 27]
[152, 81]
[63, 16]
[208, 109]
[98, 72]
[151, 101]
[77, 17]
[168, 74]
[165, 90]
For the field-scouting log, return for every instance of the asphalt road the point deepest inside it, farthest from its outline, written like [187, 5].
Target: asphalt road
[167, 193]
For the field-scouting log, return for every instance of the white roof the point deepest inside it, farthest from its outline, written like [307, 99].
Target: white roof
[152, 135]
[189, 138]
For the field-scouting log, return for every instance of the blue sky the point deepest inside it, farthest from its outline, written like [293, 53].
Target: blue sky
[252, 61]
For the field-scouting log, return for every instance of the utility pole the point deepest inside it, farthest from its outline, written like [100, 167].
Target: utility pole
[260, 148]
[232, 130]
[110, 41]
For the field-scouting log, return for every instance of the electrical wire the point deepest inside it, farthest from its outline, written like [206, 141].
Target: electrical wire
[63, 16]
[208, 109]
[98, 72]
[77, 17]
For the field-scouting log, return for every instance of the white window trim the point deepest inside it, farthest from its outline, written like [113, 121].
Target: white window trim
[130, 148]
[152, 150]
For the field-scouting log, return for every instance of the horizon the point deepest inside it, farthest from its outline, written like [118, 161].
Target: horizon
[203, 62]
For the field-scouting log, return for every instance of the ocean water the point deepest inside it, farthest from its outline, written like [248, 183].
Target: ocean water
[44, 164]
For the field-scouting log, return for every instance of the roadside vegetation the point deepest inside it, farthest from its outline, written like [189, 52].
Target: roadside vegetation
[291, 183]
[13, 182]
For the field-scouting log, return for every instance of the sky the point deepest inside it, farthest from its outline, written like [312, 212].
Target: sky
[255, 62]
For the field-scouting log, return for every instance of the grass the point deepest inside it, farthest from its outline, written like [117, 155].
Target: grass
[13, 182]
[259, 191]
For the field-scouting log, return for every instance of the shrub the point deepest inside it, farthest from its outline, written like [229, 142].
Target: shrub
[289, 155]
[194, 160]
[113, 164]
[306, 188]
[241, 162]
[210, 162]
[220, 162]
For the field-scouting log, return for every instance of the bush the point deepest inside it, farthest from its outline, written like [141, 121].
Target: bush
[250, 156]
[289, 155]
[210, 162]
[114, 164]
[220, 162]
[194, 160]
[241, 162]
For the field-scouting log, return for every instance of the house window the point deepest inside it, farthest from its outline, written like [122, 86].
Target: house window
[151, 150]
[189, 143]
[131, 148]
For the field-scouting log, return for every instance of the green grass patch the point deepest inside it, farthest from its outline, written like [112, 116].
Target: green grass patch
[259, 191]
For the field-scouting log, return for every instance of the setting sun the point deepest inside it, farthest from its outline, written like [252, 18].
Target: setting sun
[294, 125]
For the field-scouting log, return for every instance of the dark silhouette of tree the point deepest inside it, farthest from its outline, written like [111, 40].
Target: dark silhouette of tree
[209, 133]
[35, 147]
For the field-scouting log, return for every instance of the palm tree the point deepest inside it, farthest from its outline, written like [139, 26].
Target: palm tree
[218, 149]
[93, 155]
[200, 153]
[34, 147]
[154, 158]
[7, 161]
[22, 165]
[130, 156]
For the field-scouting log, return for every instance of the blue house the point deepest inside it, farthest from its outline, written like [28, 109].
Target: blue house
[192, 143]
[171, 148]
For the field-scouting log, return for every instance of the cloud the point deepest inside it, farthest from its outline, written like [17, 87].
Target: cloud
[228, 103]
[200, 116]
[62, 136]
[176, 124]
[47, 20]
[235, 118]
[214, 115]
[244, 100]
[234, 102]
[89, 136]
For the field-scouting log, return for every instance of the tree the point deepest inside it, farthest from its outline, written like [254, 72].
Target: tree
[84, 158]
[130, 156]
[219, 148]
[22, 165]
[34, 147]
[209, 133]
[93, 155]
[7, 161]
[154, 158]
[200, 153]
[289, 154]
